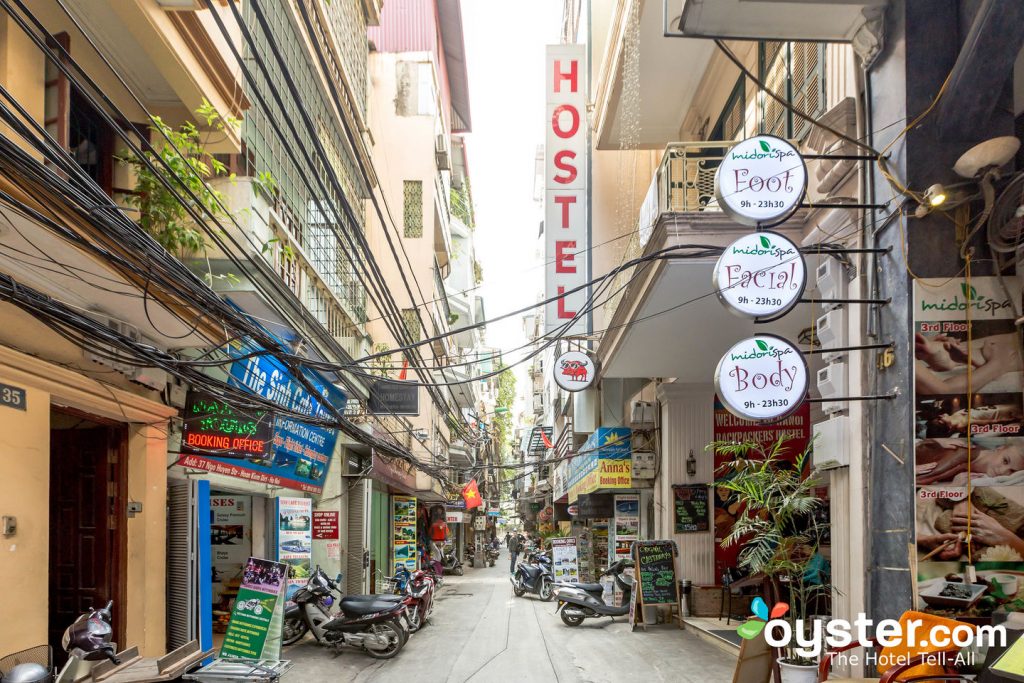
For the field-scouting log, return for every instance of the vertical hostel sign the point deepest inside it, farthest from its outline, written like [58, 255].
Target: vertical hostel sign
[566, 237]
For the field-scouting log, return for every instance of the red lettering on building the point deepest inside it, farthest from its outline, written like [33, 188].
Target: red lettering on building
[562, 258]
[572, 76]
[565, 202]
[556, 121]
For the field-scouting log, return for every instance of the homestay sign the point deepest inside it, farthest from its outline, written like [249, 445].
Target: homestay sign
[761, 275]
[762, 378]
[566, 236]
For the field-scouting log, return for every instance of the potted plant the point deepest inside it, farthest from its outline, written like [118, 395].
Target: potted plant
[779, 537]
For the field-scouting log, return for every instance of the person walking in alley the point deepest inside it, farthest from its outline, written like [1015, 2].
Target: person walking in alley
[515, 543]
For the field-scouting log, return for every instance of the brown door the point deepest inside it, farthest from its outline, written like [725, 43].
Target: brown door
[87, 486]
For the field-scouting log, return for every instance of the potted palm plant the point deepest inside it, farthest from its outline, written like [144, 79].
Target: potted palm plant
[779, 536]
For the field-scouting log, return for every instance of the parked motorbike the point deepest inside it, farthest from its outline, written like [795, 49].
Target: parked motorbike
[579, 601]
[534, 576]
[369, 622]
[419, 599]
[450, 559]
[86, 641]
[492, 554]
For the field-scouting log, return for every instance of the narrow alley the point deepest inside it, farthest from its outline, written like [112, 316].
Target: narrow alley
[481, 632]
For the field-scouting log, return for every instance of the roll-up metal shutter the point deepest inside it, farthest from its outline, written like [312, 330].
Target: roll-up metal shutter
[188, 563]
[358, 520]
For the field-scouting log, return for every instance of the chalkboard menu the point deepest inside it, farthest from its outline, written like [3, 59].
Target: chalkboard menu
[656, 572]
[691, 501]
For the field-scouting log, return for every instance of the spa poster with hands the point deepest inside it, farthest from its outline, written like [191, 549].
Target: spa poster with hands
[968, 448]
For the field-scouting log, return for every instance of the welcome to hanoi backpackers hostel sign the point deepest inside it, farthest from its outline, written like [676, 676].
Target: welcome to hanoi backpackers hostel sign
[566, 235]
[299, 452]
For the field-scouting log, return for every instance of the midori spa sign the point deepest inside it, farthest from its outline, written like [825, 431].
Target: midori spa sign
[761, 275]
[761, 181]
[762, 378]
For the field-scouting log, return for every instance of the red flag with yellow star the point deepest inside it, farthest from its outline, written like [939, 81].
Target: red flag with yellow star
[471, 494]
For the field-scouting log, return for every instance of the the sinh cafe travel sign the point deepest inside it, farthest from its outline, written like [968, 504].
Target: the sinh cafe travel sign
[761, 181]
[761, 275]
[762, 378]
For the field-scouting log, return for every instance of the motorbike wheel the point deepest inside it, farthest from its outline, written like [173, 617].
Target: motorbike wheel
[293, 631]
[519, 590]
[572, 619]
[415, 619]
[459, 571]
[546, 591]
[391, 631]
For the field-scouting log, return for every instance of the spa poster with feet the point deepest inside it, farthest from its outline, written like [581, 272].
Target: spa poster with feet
[968, 448]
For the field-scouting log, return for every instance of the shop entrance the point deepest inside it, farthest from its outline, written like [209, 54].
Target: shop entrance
[88, 485]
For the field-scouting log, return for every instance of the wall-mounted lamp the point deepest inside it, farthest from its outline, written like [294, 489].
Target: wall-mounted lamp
[691, 465]
[936, 195]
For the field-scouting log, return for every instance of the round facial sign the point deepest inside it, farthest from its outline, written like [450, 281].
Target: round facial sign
[575, 371]
[762, 378]
[761, 275]
[761, 181]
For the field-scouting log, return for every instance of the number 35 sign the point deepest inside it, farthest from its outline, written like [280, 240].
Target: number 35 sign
[761, 181]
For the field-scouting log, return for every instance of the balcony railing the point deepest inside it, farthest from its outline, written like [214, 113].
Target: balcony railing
[684, 183]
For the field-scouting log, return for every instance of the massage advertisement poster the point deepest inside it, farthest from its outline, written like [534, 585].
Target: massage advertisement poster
[968, 448]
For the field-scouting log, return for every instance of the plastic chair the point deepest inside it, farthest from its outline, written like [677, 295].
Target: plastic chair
[913, 667]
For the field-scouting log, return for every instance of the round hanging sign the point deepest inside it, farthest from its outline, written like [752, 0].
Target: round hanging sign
[762, 378]
[761, 181]
[573, 510]
[575, 371]
[761, 275]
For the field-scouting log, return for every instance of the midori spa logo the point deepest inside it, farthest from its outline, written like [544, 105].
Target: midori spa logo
[765, 150]
[968, 297]
[761, 349]
[764, 247]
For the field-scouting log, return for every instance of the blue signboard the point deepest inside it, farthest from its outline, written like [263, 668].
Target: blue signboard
[300, 452]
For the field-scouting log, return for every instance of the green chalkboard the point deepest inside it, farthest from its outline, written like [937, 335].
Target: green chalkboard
[656, 572]
[691, 502]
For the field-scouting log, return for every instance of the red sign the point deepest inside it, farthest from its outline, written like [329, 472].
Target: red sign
[797, 430]
[325, 525]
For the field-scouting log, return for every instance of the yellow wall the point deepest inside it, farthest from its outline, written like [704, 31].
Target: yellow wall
[24, 493]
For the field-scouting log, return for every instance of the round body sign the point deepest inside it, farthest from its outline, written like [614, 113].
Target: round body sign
[762, 378]
[760, 275]
[761, 181]
[575, 371]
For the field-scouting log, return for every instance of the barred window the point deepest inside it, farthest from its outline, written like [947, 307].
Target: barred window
[412, 214]
[412, 323]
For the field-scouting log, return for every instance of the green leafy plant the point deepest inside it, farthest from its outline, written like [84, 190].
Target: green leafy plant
[776, 526]
[478, 273]
[186, 166]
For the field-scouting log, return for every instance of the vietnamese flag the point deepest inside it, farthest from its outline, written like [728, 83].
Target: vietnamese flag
[471, 494]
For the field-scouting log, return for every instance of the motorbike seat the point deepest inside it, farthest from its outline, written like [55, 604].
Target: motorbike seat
[381, 597]
[589, 587]
[362, 607]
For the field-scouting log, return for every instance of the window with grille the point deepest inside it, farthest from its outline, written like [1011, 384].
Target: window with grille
[412, 323]
[730, 122]
[412, 214]
[795, 72]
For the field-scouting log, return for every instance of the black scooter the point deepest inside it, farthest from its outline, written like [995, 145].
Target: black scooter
[372, 623]
[534, 576]
[579, 601]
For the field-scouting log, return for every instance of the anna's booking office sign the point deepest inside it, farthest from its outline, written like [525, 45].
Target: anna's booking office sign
[761, 181]
[761, 275]
[762, 378]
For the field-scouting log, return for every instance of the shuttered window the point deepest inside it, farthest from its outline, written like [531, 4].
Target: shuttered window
[795, 72]
[412, 208]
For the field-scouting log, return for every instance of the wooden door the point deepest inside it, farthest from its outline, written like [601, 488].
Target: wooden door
[86, 525]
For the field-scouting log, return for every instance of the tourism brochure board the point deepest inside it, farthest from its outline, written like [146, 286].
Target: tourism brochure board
[404, 533]
[565, 559]
[295, 537]
[254, 631]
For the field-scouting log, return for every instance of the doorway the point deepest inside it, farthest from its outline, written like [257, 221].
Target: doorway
[88, 495]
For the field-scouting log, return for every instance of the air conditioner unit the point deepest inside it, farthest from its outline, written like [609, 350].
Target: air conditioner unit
[831, 382]
[123, 329]
[832, 443]
[641, 415]
[441, 156]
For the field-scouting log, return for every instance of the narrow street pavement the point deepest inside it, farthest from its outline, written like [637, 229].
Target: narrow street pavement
[481, 632]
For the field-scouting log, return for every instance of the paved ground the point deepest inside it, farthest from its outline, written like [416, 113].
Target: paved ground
[481, 632]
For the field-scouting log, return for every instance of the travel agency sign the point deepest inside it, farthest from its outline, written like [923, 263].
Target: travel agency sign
[761, 182]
